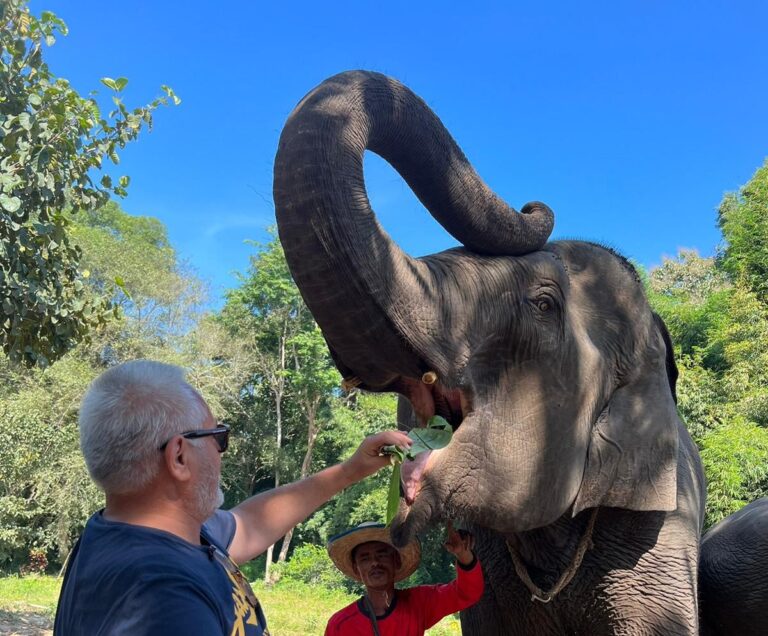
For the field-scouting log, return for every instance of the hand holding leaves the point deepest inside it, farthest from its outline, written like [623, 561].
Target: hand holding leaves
[437, 434]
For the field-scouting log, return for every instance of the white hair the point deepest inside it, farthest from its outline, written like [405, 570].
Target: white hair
[127, 413]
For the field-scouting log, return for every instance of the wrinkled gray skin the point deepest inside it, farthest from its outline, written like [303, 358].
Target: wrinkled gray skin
[733, 574]
[555, 374]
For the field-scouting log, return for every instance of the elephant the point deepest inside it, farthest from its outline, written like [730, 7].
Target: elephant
[568, 459]
[733, 583]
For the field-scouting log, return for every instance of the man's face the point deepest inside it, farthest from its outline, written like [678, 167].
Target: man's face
[377, 563]
[208, 493]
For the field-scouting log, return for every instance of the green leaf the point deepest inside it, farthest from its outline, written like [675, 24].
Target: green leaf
[437, 434]
[109, 83]
[393, 498]
[10, 204]
[24, 121]
[169, 92]
[120, 83]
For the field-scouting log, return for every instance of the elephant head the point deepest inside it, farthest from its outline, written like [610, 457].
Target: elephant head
[545, 357]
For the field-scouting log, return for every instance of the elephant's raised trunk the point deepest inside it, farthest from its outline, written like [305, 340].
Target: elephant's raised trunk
[378, 308]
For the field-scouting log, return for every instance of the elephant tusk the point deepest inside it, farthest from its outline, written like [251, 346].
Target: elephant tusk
[430, 377]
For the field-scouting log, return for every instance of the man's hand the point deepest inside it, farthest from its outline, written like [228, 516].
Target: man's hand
[367, 459]
[459, 543]
[264, 518]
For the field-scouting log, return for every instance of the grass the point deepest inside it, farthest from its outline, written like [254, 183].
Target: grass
[35, 594]
[292, 610]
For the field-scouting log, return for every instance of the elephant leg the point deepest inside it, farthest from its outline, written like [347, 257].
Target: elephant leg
[484, 618]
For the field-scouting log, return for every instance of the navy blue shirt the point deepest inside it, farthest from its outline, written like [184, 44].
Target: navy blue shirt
[127, 579]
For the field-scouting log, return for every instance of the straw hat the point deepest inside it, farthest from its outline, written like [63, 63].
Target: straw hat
[340, 549]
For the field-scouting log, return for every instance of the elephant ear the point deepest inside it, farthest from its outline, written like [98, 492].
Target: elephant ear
[632, 457]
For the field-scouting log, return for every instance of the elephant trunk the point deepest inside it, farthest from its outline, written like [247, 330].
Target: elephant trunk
[378, 308]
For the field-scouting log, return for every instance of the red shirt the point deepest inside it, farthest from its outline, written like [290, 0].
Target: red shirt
[413, 610]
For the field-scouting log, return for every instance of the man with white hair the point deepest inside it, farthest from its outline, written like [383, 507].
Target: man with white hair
[161, 558]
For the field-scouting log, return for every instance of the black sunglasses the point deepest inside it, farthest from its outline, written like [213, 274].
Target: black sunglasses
[220, 435]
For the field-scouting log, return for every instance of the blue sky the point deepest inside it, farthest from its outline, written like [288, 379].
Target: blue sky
[630, 119]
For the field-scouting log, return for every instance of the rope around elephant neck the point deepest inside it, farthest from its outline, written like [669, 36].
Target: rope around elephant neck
[537, 594]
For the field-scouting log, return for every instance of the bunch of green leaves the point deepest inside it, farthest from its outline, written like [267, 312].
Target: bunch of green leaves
[53, 143]
[437, 434]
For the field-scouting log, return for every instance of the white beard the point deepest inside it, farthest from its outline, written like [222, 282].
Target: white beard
[209, 496]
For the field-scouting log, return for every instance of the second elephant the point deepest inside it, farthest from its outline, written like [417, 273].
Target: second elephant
[734, 574]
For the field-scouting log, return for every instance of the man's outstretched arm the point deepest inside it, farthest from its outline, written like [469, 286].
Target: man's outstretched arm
[264, 518]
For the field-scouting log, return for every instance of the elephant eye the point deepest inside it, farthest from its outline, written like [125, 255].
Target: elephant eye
[545, 300]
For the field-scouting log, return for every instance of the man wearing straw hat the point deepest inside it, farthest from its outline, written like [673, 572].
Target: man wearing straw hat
[366, 553]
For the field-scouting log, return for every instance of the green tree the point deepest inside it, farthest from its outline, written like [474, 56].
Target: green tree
[45, 492]
[314, 378]
[700, 398]
[717, 313]
[735, 458]
[743, 219]
[292, 373]
[54, 143]
[691, 294]
[742, 341]
[131, 262]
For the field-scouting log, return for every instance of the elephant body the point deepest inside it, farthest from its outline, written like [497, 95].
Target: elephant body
[733, 574]
[545, 357]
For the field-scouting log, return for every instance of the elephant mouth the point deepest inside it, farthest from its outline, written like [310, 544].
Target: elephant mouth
[426, 401]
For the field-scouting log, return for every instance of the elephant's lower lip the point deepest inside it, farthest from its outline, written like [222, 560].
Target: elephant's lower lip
[412, 472]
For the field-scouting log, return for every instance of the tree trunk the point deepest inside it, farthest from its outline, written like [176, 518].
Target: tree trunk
[279, 389]
[312, 430]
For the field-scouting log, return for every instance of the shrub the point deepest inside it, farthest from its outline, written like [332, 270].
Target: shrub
[735, 458]
[36, 564]
[310, 564]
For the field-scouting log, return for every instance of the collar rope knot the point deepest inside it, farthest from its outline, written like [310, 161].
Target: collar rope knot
[537, 594]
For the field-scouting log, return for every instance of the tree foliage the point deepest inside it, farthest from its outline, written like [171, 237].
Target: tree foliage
[743, 220]
[45, 492]
[717, 313]
[54, 143]
[292, 379]
[735, 458]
